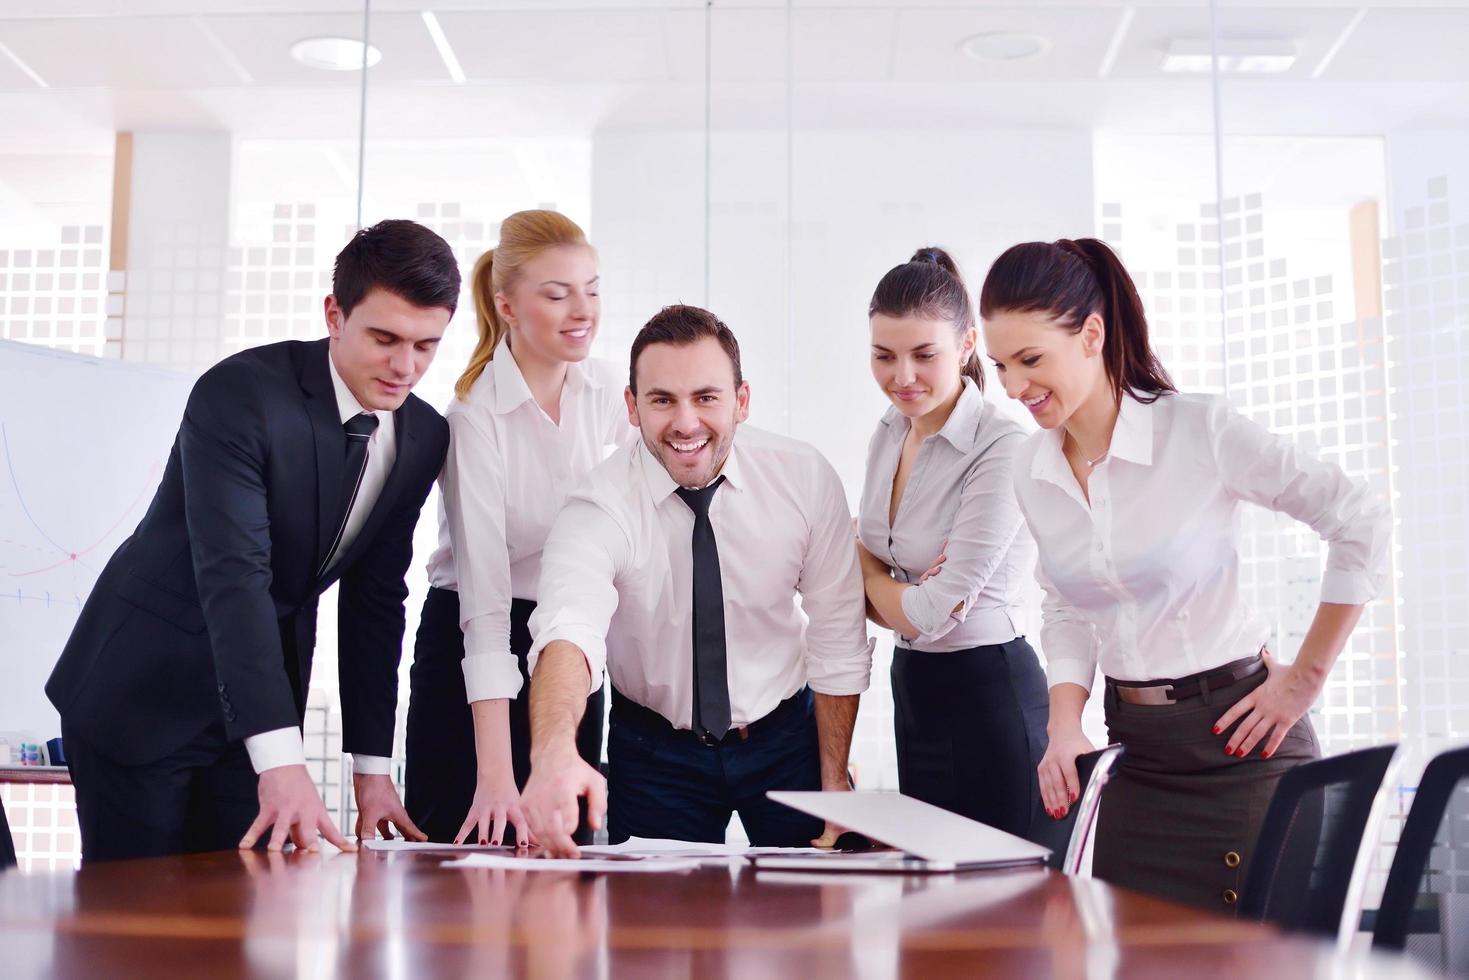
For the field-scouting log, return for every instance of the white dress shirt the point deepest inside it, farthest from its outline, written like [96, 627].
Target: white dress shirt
[509, 470]
[1144, 582]
[959, 499]
[282, 746]
[617, 579]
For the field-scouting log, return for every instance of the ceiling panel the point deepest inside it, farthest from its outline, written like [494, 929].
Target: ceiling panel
[118, 52]
[1314, 30]
[749, 45]
[11, 77]
[262, 45]
[927, 43]
[1406, 45]
[559, 46]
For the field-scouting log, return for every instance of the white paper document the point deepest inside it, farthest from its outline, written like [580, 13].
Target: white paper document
[628, 864]
[399, 844]
[655, 847]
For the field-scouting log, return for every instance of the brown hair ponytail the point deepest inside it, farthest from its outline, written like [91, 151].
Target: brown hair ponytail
[523, 236]
[929, 285]
[1070, 280]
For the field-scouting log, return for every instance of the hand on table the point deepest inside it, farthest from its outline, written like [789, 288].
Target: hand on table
[549, 801]
[496, 804]
[378, 807]
[290, 804]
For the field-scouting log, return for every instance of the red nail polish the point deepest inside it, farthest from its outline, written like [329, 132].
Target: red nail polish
[1073, 797]
[1264, 755]
[1228, 750]
[1216, 729]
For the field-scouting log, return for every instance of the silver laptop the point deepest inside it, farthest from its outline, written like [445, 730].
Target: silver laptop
[927, 838]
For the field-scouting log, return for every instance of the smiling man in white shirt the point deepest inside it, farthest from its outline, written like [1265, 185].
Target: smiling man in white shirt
[714, 576]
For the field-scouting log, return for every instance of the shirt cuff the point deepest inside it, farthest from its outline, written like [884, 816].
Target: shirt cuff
[919, 606]
[841, 677]
[1349, 587]
[1069, 671]
[488, 676]
[273, 749]
[371, 765]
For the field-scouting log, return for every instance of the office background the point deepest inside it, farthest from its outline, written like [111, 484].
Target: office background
[174, 184]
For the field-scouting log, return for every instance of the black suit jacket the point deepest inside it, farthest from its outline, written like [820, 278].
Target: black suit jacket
[208, 611]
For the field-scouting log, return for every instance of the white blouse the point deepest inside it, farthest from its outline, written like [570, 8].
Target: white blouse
[1144, 581]
[508, 471]
[959, 499]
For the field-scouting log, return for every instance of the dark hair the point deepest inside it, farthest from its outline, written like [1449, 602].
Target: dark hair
[401, 256]
[681, 326]
[929, 285]
[1071, 280]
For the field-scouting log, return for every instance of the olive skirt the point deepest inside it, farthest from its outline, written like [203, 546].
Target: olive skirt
[1179, 818]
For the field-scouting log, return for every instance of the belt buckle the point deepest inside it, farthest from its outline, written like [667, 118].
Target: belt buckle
[706, 738]
[1157, 695]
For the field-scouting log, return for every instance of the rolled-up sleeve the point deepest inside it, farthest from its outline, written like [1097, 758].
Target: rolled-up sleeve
[985, 524]
[838, 650]
[584, 554]
[473, 484]
[1267, 469]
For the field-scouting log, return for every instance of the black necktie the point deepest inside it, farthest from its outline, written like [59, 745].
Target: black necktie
[711, 681]
[359, 429]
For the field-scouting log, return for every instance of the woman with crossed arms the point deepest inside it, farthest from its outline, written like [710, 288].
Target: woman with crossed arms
[532, 415]
[1132, 492]
[944, 555]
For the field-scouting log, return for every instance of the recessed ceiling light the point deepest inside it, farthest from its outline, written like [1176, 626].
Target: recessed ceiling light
[1237, 56]
[334, 53]
[1004, 46]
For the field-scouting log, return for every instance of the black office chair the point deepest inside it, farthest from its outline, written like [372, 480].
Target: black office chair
[7, 843]
[1425, 904]
[1305, 863]
[1068, 837]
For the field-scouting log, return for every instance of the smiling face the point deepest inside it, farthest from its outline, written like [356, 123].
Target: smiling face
[687, 407]
[553, 306]
[1048, 368]
[384, 346]
[916, 361]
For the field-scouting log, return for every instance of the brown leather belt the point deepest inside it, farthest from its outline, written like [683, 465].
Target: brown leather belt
[1192, 686]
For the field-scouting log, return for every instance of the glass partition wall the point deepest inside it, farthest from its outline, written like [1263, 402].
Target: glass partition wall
[1287, 184]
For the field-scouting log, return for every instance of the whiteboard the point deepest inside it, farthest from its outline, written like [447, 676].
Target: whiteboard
[83, 443]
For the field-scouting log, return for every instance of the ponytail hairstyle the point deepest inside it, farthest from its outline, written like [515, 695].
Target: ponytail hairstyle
[929, 285]
[523, 236]
[1071, 280]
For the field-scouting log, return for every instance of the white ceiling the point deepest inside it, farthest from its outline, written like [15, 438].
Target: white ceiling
[552, 68]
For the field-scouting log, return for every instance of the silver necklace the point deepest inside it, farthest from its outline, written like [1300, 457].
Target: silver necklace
[1090, 463]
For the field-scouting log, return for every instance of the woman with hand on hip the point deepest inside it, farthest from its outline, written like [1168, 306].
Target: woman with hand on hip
[1132, 492]
[945, 555]
[532, 415]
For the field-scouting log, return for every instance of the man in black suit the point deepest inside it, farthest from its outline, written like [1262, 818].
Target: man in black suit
[297, 465]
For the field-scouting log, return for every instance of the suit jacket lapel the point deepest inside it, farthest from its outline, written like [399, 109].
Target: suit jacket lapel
[331, 445]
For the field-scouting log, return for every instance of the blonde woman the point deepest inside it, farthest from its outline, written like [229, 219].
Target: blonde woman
[532, 414]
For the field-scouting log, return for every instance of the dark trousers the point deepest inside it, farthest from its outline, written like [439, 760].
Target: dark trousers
[201, 797]
[440, 772]
[664, 784]
[971, 730]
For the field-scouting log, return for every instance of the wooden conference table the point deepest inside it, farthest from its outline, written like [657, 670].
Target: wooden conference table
[403, 915]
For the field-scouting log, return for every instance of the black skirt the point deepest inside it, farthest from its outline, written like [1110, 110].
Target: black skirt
[440, 770]
[971, 729]
[1179, 818]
